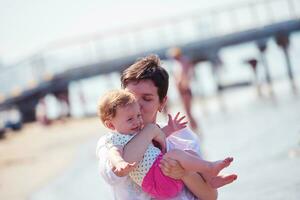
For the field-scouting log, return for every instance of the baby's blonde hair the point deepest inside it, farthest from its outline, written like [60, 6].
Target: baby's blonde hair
[111, 101]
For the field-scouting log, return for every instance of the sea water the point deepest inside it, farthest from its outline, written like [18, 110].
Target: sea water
[84, 94]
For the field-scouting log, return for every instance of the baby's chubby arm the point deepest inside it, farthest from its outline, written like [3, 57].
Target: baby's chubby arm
[135, 149]
[105, 166]
[119, 166]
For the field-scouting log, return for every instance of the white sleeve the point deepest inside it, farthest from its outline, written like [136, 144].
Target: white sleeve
[185, 139]
[104, 167]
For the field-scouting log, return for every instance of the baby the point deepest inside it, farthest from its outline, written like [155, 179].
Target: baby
[120, 112]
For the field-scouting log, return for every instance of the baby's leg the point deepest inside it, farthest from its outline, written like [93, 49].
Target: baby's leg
[220, 181]
[194, 163]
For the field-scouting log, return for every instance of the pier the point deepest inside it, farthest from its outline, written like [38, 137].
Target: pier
[201, 35]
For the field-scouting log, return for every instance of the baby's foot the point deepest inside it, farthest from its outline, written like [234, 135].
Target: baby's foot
[217, 166]
[219, 181]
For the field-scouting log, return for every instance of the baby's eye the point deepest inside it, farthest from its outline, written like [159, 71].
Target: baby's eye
[130, 119]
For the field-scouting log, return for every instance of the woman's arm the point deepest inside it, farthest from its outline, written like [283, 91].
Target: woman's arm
[134, 150]
[173, 169]
[199, 187]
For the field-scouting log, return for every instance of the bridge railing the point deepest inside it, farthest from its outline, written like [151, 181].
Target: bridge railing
[62, 55]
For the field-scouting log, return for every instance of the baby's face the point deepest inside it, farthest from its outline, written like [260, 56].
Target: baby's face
[128, 119]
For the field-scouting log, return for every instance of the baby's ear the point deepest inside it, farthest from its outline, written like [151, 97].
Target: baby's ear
[109, 124]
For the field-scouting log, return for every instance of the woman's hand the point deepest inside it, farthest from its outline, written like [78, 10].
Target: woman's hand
[172, 168]
[174, 124]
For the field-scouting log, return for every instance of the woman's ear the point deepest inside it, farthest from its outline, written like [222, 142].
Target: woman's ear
[109, 124]
[163, 104]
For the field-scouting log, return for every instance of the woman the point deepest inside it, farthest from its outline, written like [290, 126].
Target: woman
[149, 82]
[183, 73]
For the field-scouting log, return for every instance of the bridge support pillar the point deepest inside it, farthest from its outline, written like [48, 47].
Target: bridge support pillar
[283, 41]
[217, 63]
[262, 47]
[27, 109]
[253, 63]
[63, 98]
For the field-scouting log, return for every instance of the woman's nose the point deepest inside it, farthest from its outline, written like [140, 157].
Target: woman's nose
[140, 104]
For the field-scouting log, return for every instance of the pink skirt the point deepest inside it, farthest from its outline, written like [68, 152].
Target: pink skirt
[158, 185]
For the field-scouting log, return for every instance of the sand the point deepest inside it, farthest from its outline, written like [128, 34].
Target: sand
[35, 155]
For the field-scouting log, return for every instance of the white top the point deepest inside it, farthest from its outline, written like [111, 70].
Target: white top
[124, 188]
[150, 155]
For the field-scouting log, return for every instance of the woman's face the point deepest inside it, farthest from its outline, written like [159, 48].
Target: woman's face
[146, 93]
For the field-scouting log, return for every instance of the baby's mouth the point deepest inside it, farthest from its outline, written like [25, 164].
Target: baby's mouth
[136, 129]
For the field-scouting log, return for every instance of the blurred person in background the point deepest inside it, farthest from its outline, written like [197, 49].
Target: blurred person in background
[149, 82]
[41, 112]
[183, 74]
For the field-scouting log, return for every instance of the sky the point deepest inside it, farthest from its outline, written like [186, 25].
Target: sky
[30, 25]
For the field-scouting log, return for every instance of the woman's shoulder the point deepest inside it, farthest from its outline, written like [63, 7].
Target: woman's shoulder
[103, 141]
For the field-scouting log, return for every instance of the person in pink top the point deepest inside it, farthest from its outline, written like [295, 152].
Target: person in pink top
[183, 73]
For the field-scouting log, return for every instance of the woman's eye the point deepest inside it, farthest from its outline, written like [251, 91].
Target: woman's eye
[147, 99]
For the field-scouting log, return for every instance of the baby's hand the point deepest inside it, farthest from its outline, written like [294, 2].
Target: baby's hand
[174, 124]
[123, 168]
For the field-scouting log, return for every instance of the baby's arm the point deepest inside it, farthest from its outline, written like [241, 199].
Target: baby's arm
[134, 150]
[120, 166]
[105, 168]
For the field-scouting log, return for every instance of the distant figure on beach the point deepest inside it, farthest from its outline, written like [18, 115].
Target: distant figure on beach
[183, 74]
[132, 153]
[41, 112]
[148, 81]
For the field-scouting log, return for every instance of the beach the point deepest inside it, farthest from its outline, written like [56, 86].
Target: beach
[37, 154]
[58, 162]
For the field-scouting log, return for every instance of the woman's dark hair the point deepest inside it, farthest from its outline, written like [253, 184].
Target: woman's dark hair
[147, 68]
